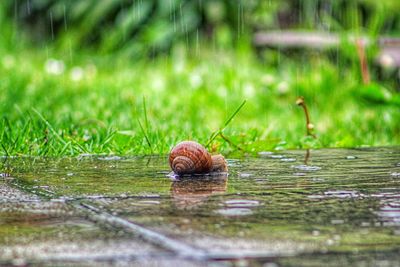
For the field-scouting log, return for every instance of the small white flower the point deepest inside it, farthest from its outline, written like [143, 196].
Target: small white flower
[195, 80]
[77, 74]
[248, 90]
[268, 79]
[54, 66]
[158, 83]
[387, 61]
[283, 87]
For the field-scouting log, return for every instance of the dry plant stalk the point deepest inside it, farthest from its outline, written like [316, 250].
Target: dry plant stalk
[309, 126]
[363, 61]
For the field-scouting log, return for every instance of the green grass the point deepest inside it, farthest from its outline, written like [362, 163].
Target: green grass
[116, 105]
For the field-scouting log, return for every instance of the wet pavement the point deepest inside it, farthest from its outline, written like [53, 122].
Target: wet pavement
[330, 207]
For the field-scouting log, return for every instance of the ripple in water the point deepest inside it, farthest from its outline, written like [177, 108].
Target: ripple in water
[306, 168]
[110, 158]
[241, 203]
[245, 175]
[265, 153]
[147, 203]
[337, 194]
[389, 213]
[288, 159]
[234, 211]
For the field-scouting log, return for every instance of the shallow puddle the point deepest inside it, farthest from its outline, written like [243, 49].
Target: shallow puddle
[287, 208]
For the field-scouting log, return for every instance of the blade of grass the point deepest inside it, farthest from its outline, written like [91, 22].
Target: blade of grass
[234, 114]
[220, 130]
[68, 144]
[108, 138]
[145, 136]
[5, 150]
[146, 121]
[49, 125]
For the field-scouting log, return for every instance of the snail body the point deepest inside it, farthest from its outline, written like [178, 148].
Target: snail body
[189, 157]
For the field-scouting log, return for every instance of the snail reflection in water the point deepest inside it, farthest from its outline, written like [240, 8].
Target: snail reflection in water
[189, 157]
[188, 193]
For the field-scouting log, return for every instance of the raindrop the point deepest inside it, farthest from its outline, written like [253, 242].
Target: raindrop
[65, 18]
[51, 26]
[28, 7]
[351, 157]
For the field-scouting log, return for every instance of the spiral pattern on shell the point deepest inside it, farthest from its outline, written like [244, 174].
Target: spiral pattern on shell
[189, 157]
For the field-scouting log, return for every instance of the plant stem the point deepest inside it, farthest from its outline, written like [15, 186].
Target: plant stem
[309, 126]
[363, 61]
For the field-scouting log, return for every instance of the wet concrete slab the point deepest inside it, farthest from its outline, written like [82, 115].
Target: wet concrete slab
[286, 208]
[46, 231]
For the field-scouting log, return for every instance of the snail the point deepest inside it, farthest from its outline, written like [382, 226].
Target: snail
[189, 157]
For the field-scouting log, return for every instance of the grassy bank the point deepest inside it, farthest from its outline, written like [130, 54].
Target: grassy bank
[70, 102]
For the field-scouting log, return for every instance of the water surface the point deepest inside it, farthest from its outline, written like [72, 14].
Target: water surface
[287, 208]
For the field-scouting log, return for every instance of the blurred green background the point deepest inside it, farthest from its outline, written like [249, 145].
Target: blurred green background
[135, 77]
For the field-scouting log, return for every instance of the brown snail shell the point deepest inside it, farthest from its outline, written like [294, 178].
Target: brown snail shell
[189, 157]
